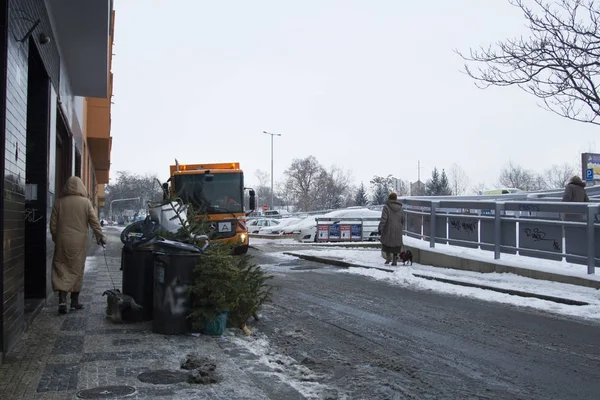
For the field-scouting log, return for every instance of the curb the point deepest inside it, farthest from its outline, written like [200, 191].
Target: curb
[374, 244]
[345, 264]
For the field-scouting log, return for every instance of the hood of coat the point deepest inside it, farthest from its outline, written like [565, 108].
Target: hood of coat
[74, 187]
[577, 181]
[394, 205]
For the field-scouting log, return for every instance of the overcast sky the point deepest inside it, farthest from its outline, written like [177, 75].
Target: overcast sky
[369, 86]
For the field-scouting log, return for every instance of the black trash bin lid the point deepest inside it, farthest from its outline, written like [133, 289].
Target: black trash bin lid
[171, 245]
[146, 243]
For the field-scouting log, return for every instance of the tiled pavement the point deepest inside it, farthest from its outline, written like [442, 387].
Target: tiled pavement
[60, 355]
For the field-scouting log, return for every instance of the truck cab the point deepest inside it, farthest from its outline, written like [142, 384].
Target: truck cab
[215, 191]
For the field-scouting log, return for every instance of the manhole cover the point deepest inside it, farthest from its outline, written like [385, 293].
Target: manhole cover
[163, 377]
[105, 392]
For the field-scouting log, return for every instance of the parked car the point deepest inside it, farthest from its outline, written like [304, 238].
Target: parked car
[276, 213]
[279, 229]
[306, 230]
[255, 225]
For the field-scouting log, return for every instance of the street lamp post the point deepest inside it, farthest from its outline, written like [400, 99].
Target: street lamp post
[272, 134]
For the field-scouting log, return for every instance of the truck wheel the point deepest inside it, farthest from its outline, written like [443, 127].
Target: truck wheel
[240, 250]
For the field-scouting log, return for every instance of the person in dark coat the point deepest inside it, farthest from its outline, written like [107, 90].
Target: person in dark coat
[575, 193]
[391, 228]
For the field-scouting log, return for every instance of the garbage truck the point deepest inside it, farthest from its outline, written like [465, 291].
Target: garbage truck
[216, 191]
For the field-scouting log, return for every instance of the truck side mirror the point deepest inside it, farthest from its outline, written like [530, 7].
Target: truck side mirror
[252, 200]
[165, 188]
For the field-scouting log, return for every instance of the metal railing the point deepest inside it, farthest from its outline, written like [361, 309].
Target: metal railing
[525, 227]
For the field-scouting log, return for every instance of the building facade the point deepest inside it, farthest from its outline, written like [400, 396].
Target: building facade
[55, 97]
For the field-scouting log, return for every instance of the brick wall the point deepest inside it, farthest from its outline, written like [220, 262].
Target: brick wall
[15, 156]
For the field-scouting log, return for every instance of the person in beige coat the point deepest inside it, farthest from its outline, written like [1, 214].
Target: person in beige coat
[71, 215]
[391, 228]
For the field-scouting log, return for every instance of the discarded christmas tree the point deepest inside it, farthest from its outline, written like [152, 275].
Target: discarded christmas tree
[223, 283]
[227, 283]
[253, 292]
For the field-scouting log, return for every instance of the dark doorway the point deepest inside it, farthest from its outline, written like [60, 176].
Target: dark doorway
[77, 163]
[64, 150]
[36, 170]
[3, 76]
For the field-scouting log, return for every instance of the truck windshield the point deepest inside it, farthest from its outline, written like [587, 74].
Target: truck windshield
[222, 194]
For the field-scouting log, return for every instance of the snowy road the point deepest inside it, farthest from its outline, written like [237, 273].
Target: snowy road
[351, 336]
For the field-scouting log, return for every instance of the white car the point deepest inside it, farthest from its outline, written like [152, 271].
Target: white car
[276, 213]
[255, 225]
[278, 229]
[306, 230]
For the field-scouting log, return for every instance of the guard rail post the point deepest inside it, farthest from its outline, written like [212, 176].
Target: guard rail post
[498, 229]
[432, 228]
[591, 248]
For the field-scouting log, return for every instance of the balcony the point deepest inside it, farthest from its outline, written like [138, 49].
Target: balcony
[101, 196]
[82, 29]
[97, 130]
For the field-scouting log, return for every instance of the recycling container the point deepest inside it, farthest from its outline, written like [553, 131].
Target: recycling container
[174, 264]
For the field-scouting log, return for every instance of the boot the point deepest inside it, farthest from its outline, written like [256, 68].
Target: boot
[395, 260]
[75, 304]
[387, 258]
[62, 302]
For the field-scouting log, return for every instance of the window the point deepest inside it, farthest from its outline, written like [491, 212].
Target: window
[216, 194]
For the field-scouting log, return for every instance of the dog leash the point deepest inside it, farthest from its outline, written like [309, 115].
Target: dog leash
[107, 268]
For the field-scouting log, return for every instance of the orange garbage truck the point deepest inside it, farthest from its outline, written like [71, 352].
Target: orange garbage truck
[217, 192]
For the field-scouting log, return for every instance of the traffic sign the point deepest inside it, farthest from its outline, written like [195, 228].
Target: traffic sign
[265, 207]
[589, 175]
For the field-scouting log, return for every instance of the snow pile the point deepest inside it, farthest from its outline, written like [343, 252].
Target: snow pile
[513, 260]
[273, 242]
[285, 368]
[404, 276]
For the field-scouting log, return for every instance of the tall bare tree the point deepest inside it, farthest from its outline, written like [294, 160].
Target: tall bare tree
[332, 188]
[558, 62]
[459, 181]
[515, 176]
[302, 180]
[263, 190]
[558, 176]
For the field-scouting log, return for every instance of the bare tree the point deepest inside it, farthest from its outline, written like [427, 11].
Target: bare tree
[285, 192]
[127, 185]
[302, 179]
[332, 188]
[263, 177]
[459, 181]
[558, 62]
[538, 183]
[515, 176]
[558, 176]
[479, 188]
[400, 187]
[263, 190]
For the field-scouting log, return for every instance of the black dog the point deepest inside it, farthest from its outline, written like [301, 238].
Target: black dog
[406, 256]
[121, 307]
